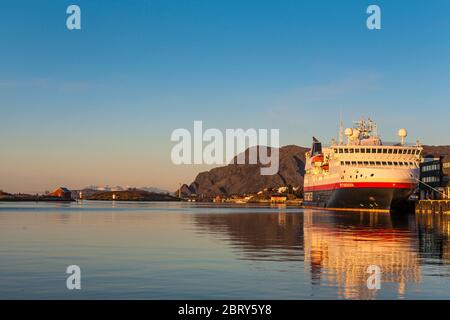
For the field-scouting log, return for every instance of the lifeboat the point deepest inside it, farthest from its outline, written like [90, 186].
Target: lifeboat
[317, 159]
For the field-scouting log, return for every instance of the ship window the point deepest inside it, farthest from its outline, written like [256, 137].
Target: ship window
[366, 163]
[395, 151]
[395, 163]
[384, 163]
[379, 150]
[351, 150]
[404, 151]
[409, 151]
[371, 174]
[345, 150]
[354, 163]
[372, 163]
[363, 150]
[389, 163]
[389, 150]
[378, 163]
[347, 163]
[342, 163]
[335, 150]
[374, 150]
[384, 150]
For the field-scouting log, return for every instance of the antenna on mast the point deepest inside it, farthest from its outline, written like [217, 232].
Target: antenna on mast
[341, 128]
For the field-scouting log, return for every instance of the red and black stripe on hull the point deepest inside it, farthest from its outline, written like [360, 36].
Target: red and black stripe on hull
[370, 197]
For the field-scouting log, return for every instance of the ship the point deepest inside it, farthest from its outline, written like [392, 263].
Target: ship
[362, 173]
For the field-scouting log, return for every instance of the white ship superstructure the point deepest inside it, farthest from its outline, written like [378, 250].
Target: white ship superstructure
[363, 173]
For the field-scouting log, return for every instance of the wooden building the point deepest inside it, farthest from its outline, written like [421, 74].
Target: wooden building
[62, 193]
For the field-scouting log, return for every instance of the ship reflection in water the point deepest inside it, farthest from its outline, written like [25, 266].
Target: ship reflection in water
[337, 248]
[199, 251]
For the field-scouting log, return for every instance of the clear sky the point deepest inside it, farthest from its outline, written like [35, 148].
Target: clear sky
[98, 105]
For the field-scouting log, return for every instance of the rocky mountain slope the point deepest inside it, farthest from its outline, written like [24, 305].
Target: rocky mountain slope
[246, 178]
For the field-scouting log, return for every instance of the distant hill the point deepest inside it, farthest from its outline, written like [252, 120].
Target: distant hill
[91, 190]
[120, 188]
[246, 178]
[131, 195]
[243, 179]
[436, 151]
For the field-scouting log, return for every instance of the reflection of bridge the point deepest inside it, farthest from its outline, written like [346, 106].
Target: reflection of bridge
[340, 256]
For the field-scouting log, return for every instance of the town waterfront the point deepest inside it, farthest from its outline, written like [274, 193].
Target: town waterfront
[162, 250]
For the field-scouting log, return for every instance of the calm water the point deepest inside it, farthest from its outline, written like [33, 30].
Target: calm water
[187, 251]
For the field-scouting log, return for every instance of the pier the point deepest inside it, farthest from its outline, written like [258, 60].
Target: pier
[433, 206]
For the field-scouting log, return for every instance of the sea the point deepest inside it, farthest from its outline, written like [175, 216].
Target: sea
[183, 250]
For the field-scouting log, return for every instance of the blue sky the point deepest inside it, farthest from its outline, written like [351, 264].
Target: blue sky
[98, 105]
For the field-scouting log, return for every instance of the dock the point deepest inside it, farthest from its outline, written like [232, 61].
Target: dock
[433, 206]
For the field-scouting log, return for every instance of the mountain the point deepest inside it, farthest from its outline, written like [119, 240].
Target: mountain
[120, 188]
[246, 178]
[436, 151]
[91, 190]
[242, 179]
[131, 195]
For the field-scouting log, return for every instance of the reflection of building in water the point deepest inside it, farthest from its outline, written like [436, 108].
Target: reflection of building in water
[434, 236]
[339, 252]
[258, 236]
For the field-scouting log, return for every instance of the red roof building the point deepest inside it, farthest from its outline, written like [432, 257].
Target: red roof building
[62, 193]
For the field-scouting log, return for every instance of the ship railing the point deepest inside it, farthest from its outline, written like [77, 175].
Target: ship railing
[383, 144]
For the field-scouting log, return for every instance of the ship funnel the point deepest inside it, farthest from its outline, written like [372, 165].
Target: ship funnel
[402, 133]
